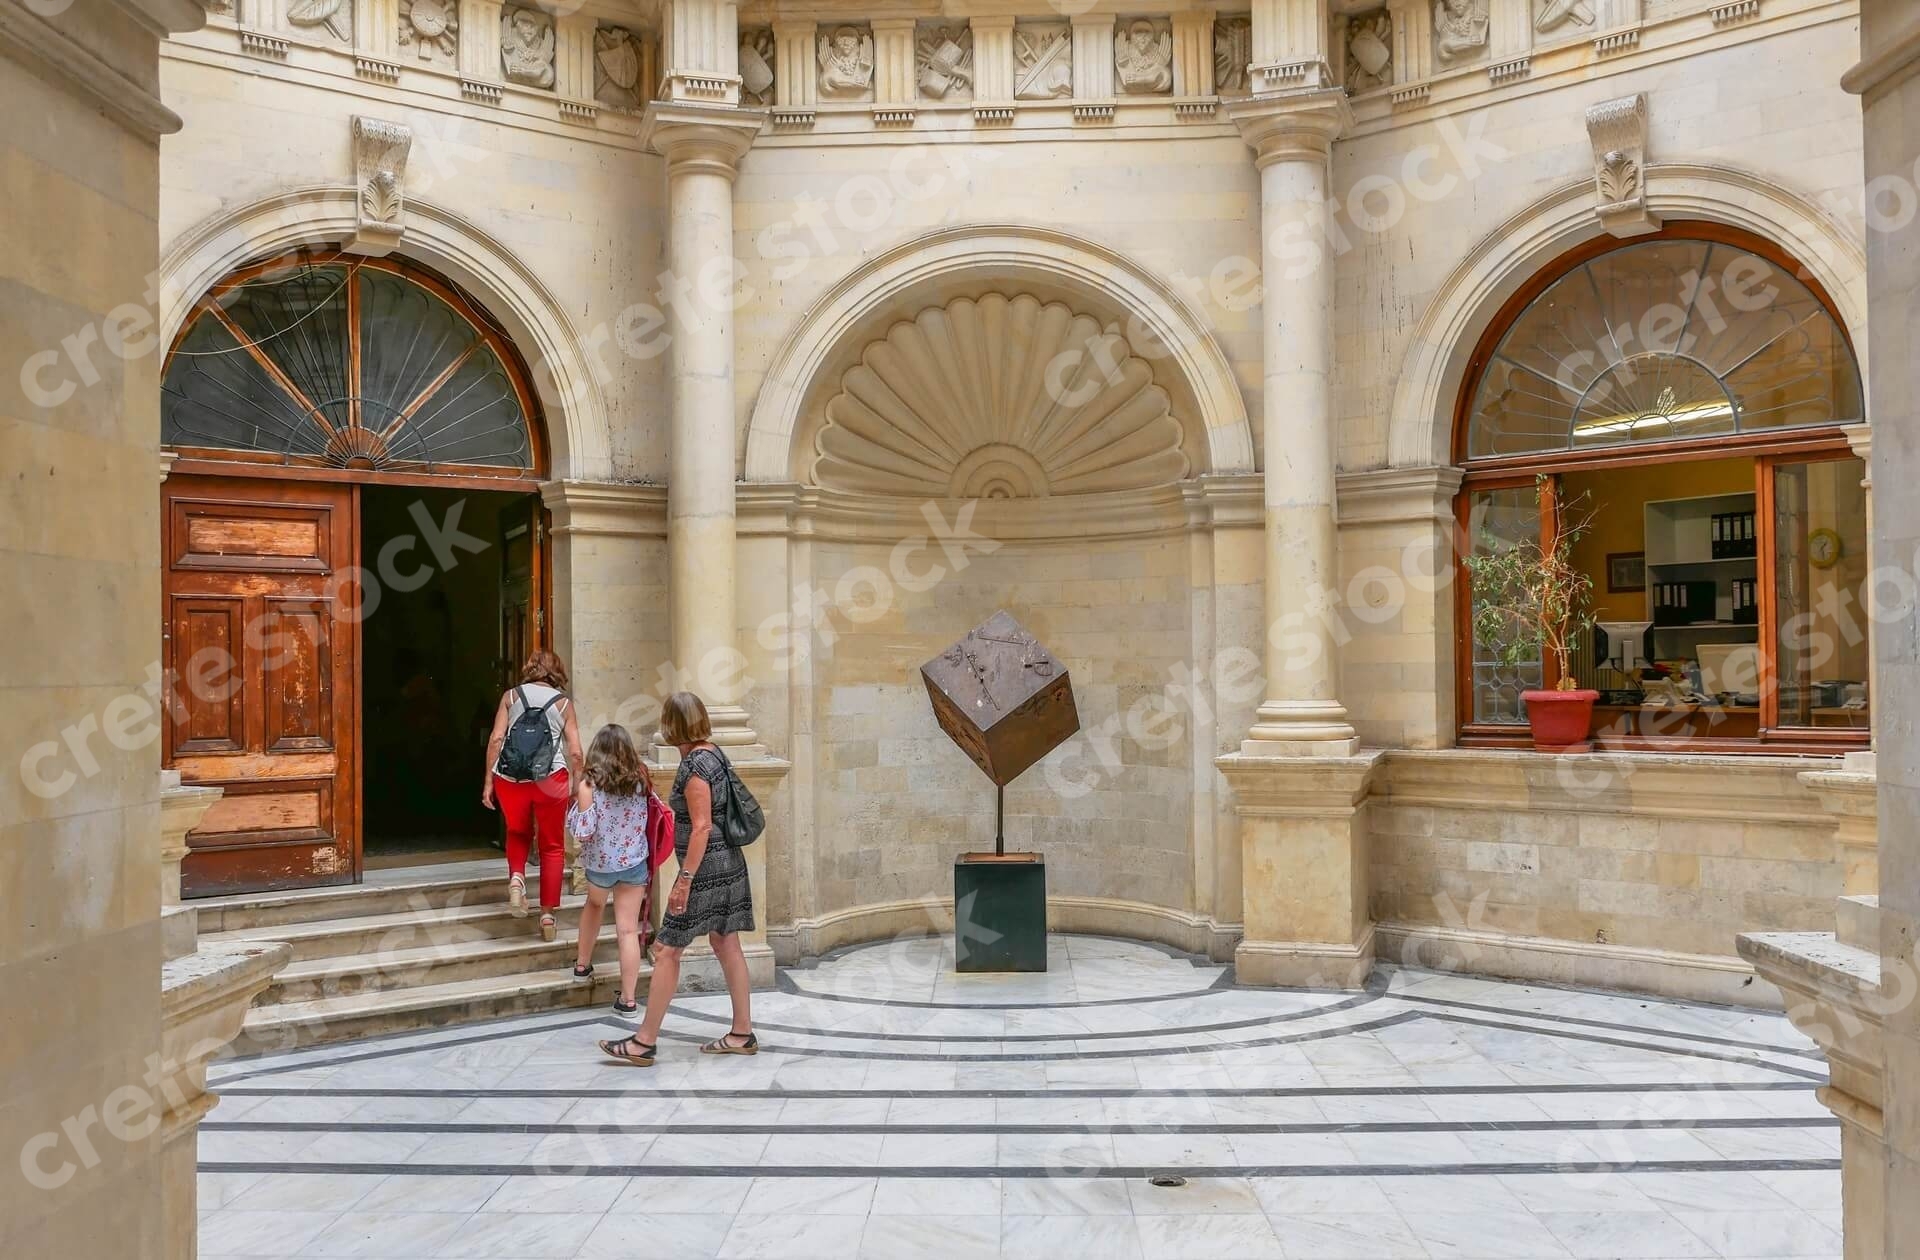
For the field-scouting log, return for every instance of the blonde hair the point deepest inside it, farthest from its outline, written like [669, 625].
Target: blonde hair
[683, 719]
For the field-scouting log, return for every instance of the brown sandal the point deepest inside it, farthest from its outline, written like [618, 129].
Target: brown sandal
[622, 1052]
[725, 1046]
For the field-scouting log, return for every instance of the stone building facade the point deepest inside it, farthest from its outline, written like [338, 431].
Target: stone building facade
[786, 290]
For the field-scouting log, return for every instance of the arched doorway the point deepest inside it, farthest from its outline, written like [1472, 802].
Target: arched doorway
[354, 560]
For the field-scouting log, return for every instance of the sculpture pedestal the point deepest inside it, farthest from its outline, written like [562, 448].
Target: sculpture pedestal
[1000, 912]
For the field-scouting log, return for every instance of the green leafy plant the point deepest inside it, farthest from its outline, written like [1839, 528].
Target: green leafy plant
[1529, 600]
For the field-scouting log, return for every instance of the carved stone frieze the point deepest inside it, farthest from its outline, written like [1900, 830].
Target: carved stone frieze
[1368, 53]
[757, 59]
[432, 29]
[333, 17]
[1043, 61]
[943, 62]
[1459, 30]
[1143, 58]
[845, 55]
[526, 47]
[1232, 54]
[1550, 16]
[619, 58]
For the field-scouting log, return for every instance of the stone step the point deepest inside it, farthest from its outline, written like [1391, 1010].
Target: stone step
[447, 929]
[418, 890]
[295, 1025]
[352, 974]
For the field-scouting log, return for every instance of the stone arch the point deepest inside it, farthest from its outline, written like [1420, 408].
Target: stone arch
[1420, 425]
[1020, 255]
[570, 395]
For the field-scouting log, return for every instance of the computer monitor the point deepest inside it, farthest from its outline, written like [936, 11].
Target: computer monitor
[1621, 645]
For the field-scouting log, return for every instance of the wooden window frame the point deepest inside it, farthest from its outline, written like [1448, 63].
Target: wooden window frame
[1767, 449]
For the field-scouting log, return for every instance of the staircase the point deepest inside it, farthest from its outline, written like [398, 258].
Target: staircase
[410, 949]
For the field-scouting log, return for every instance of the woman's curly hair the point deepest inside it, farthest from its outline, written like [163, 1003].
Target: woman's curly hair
[614, 765]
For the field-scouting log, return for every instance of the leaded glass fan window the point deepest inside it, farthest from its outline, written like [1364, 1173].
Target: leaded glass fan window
[344, 362]
[1662, 341]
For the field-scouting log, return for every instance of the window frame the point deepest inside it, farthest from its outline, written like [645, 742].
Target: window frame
[227, 461]
[1767, 449]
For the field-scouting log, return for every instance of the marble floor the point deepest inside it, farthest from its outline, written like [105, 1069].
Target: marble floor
[900, 1110]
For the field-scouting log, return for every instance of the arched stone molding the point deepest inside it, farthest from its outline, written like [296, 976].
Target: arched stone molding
[571, 396]
[1420, 426]
[1012, 254]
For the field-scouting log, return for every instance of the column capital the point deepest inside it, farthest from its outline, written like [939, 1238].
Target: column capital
[714, 137]
[1291, 126]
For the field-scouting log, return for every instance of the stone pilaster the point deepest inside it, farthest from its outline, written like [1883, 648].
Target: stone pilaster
[1832, 994]
[893, 87]
[1303, 869]
[573, 66]
[1292, 136]
[993, 72]
[181, 809]
[796, 89]
[479, 51]
[703, 146]
[376, 38]
[1093, 90]
[1290, 46]
[1849, 795]
[1887, 80]
[203, 1002]
[701, 45]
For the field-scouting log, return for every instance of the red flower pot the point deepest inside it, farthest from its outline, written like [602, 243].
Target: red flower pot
[1560, 719]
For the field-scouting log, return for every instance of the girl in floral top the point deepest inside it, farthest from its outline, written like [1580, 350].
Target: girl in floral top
[609, 817]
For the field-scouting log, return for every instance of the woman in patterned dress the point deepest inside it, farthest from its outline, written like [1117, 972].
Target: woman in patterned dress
[710, 897]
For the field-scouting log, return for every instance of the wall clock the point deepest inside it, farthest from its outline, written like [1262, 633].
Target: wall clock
[1823, 548]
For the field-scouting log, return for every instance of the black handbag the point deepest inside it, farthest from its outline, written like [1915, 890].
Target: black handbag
[743, 820]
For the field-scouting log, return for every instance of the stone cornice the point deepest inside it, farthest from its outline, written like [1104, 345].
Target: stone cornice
[1382, 496]
[712, 138]
[606, 509]
[1897, 56]
[46, 47]
[1291, 126]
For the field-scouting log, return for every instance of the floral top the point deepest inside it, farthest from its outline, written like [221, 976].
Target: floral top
[612, 831]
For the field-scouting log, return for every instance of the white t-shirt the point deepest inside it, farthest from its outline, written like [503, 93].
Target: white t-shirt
[539, 694]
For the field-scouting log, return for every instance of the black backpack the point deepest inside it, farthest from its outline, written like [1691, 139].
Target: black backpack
[527, 754]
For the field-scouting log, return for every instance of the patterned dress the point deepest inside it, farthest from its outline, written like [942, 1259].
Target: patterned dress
[721, 900]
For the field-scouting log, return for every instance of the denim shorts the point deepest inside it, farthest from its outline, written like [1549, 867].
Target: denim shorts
[635, 874]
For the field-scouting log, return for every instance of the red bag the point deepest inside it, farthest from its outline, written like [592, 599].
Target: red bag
[659, 832]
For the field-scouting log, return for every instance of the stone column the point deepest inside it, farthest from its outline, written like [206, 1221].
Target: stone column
[703, 146]
[1292, 136]
[1888, 83]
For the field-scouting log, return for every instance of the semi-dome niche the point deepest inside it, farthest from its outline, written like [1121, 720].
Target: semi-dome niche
[998, 397]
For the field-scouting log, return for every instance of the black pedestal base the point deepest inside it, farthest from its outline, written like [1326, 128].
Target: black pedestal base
[1000, 912]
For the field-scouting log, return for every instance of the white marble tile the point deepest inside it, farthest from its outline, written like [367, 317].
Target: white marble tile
[948, 1196]
[1419, 1196]
[1622, 1235]
[675, 1196]
[681, 1236]
[1242, 1237]
[521, 1236]
[274, 1233]
[949, 1237]
[1484, 1236]
[792, 1238]
[217, 1190]
[430, 1193]
[305, 1192]
[1208, 1195]
[1346, 1236]
[1758, 1234]
[938, 1150]
[364, 1233]
[809, 1196]
[1321, 1196]
[1064, 1196]
[1069, 1238]
[556, 1194]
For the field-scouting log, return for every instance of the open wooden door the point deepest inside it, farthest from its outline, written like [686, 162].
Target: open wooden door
[523, 566]
[260, 642]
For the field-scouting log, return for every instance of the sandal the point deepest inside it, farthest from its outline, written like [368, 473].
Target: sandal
[726, 1045]
[548, 928]
[625, 1009]
[622, 1051]
[583, 973]
[517, 895]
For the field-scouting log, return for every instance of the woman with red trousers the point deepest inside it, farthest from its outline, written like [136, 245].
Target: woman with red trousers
[527, 779]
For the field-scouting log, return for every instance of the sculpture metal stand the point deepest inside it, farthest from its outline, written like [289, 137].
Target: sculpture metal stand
[1007, 703]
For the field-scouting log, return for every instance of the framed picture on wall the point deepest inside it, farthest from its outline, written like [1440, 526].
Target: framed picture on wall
[1626, 571]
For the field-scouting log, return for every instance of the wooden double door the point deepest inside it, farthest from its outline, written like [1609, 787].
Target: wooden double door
[264, 593]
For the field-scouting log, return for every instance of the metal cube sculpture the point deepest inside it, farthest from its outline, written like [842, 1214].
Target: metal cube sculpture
[1001, 697]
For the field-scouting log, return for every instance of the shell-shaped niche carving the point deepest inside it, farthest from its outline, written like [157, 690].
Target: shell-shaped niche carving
[998, 398]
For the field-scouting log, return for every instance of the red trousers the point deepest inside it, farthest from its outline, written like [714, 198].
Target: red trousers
[531, 808]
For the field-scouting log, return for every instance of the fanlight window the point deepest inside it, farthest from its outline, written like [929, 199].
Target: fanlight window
[1665, 340]
[343, 362]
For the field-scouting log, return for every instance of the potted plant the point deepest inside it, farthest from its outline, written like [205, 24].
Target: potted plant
[1529, 603]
